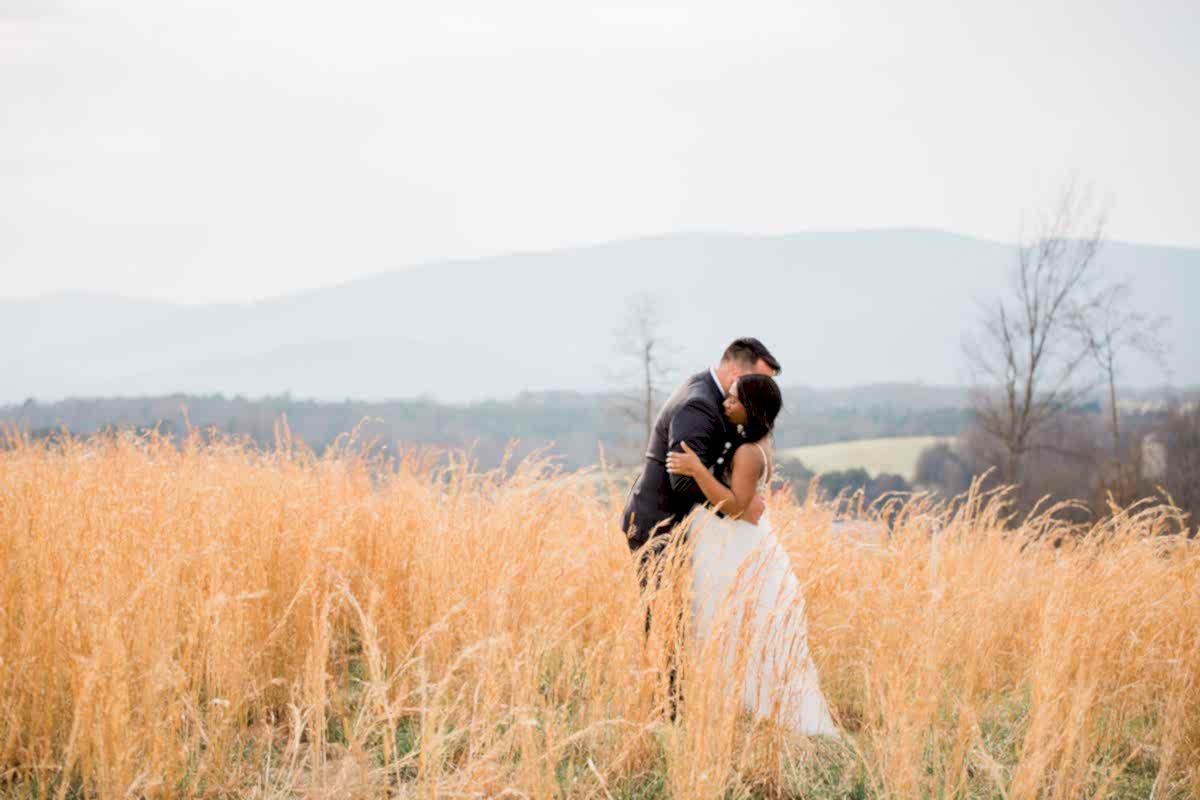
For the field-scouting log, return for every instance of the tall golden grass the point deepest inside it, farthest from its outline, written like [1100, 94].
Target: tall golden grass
[212, 620]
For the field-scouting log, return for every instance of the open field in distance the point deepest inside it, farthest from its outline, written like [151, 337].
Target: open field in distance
[896, 456]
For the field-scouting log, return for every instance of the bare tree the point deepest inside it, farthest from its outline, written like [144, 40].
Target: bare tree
[1111, 331]
[645, 354]
[1026, 361]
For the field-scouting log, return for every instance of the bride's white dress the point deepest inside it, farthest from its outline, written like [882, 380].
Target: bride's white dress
[749, 613]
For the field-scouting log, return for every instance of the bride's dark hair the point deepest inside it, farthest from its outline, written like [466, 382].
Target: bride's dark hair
[762, 399]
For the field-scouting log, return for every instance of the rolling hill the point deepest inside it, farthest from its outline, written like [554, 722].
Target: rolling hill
[838, 309]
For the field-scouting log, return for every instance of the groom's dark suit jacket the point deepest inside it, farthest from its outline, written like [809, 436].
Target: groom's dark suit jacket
[659, 500]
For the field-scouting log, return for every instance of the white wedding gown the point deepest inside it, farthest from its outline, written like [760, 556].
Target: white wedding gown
[745, 594]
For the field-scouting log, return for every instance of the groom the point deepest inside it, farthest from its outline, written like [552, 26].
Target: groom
[695, 414]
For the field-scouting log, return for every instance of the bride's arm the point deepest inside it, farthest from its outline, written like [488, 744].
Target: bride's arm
[733, 499]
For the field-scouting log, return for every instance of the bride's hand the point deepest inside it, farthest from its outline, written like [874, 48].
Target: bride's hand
[685, 463]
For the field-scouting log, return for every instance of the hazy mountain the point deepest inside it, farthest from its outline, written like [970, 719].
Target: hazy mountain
[837, 308]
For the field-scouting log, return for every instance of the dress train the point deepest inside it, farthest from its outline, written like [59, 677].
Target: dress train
[745, 594]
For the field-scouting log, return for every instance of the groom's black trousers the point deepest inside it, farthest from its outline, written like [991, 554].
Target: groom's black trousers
[652, 560]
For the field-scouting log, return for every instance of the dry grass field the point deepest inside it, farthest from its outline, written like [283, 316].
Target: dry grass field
[213, 621]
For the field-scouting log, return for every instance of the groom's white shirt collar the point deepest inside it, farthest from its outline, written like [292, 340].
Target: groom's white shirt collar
[717, 381]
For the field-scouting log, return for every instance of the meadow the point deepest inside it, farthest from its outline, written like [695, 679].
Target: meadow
[215, 620]
[894, 455]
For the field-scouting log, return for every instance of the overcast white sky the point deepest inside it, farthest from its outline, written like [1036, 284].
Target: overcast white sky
[236, 149]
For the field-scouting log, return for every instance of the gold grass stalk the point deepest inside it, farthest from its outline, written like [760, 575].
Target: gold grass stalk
[209, 619]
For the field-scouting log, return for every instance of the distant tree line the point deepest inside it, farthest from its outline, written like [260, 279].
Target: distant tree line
[1072, 459]
[853, 486]
[574, 427]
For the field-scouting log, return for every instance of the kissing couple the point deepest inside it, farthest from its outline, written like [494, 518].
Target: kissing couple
[711, 449]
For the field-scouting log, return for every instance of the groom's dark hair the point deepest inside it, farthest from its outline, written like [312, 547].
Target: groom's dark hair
[748, 351]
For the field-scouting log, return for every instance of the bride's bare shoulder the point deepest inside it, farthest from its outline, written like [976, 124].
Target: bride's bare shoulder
[749, 456]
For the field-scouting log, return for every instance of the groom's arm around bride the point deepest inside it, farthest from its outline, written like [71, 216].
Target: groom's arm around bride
[694, 413]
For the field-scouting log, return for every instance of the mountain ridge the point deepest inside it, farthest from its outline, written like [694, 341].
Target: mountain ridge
[81, 294]
[839, 308]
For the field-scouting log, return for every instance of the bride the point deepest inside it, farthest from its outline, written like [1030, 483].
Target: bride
[746, 600]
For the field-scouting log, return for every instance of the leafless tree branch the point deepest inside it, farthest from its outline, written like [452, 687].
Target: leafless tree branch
[1028, 364]
[1110, 332]
[645, 353]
